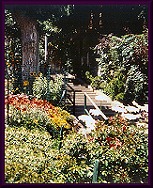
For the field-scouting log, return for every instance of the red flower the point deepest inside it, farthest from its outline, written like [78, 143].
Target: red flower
[91, 139]
[112, 146]
[123, 128]
[108, 139]
[116, 143]
[24, 109]
[22, 101]
[18, 108]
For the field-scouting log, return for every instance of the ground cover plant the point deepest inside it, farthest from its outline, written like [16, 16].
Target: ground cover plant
[33, 156]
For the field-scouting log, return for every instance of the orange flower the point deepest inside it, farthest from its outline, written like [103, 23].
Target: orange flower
[25, 83]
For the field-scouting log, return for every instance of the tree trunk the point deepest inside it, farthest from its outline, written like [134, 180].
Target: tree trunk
[29, 38]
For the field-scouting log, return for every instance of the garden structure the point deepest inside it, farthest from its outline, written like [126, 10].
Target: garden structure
[76, 100]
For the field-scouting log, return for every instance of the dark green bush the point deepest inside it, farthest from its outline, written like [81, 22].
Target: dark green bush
[123, 67]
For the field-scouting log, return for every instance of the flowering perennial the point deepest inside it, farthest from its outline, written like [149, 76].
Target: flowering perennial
[24, 104]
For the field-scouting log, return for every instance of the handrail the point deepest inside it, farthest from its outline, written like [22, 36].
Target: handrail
[94, 104]
[70, 87]
[73, 99]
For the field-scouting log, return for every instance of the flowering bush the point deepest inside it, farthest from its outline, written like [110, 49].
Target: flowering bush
[120, 147]
[60, 118]
[125, 151]
[35, 112]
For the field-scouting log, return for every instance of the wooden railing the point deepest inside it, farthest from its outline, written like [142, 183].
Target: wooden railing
[71, 99]
[86, 96]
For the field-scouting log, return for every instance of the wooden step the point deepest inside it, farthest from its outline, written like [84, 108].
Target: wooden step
[80, 88]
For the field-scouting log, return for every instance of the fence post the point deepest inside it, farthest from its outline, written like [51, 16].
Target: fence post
[73, 102]
[95, 173]
[8, 87]
[85, 103]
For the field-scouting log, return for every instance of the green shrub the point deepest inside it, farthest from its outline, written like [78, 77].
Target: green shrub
[115, 87]
[121, 148]
[96, 82]
[29, 156]
[50, 90]
[136, 86]
[126, 56]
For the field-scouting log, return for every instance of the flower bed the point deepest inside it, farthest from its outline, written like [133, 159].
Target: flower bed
[122, 150]
[33, 156]
[34, 112]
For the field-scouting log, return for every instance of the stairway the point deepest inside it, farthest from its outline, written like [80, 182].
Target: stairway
[80, 88]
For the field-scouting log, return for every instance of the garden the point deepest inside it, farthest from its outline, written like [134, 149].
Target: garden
[35, 152]
[42, 143]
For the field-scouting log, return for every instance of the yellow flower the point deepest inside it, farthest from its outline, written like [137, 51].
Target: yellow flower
[35, 121]
[8, 64]
[25, 83]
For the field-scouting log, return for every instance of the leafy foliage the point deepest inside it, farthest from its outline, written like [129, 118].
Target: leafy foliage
[121, 148]
[136, 85]
[29, 155]
[44, 88]
[110, 144]
[123, 67]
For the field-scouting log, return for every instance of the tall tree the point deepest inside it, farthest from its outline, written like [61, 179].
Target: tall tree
[27, 18]
[72, 41]
[30, 40]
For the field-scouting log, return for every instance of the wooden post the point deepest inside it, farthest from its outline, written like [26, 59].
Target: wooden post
[95, 173]
[85, 102]
[73, 102]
